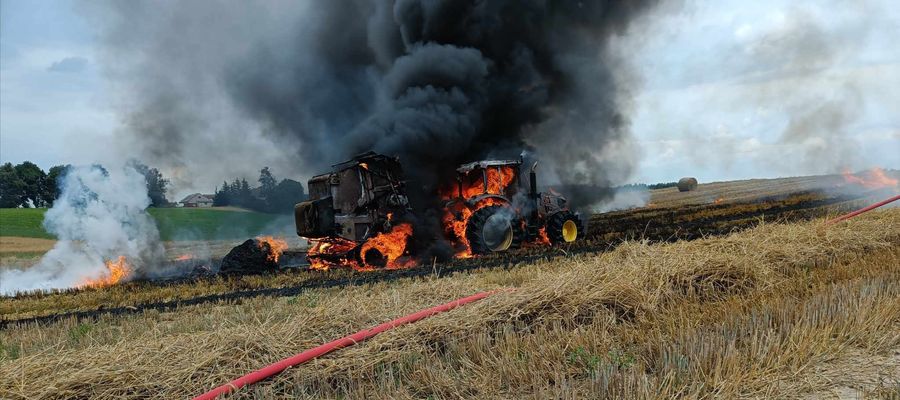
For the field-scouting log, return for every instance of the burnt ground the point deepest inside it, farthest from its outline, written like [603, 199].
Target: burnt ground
[604, 232]
[694, 221]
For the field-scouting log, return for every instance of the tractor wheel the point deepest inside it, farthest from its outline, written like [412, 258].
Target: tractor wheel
[564, 227]
[373, 258]
[493, 229]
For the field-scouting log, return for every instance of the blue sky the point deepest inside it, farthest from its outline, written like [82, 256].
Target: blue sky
[723, 90]
[52, 104]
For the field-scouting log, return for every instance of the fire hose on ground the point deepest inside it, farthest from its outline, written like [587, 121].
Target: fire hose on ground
[362, 335]
[346, 341]
[862, 210]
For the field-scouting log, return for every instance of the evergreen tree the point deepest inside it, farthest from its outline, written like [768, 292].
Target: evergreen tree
[277, 198]
[245, 188]
[267, 182]
[223, 196]
[234, 193]
[283, 197]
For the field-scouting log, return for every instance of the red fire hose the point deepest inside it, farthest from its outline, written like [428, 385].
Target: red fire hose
[346, 341]
[862, 210]
[362, 335]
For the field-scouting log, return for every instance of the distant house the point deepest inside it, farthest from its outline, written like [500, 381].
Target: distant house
[197, 200]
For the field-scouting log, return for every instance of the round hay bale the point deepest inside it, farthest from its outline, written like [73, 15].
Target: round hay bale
[687, 184]
[250, 257]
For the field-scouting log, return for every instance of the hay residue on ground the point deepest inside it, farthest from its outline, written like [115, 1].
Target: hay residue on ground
[738, 316]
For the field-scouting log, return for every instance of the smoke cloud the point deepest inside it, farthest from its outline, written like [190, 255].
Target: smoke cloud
[222, 87]
[775, 88]
[99, 216]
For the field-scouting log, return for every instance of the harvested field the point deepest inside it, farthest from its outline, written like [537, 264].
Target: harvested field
[742, 191]
[17, 245]
[605, 231]
[750, 190]
[670, 223]
[22, 252]
[742, 315]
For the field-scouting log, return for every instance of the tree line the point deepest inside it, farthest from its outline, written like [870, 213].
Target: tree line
[27, 185]
[270, 196]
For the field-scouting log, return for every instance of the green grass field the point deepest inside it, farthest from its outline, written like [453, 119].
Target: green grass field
[173, 223]
[24, 222]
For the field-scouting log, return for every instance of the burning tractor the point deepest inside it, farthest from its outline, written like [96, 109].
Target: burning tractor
[352, 217]
[491, 210]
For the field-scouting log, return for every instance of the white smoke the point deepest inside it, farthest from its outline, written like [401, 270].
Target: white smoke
[623, 199]
[99, 216]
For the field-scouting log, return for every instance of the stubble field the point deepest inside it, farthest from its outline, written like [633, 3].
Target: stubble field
[747, 297]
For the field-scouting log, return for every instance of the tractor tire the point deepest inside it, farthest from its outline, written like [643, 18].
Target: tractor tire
[564, 227]
[491, 229]
[373, 258]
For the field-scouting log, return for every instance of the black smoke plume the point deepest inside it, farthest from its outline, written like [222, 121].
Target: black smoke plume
[205, 85]
[437, 83]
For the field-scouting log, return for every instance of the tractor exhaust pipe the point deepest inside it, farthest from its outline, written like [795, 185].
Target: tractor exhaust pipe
[532, 180]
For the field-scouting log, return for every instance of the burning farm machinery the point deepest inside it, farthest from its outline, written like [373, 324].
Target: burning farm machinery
[352, 215]
[490, 210]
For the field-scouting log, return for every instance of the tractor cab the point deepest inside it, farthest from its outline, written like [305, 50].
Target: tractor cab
[355, 200]
[492, 178]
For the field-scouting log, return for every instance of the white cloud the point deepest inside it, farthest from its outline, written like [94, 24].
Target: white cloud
[725, 83]
[69, 64]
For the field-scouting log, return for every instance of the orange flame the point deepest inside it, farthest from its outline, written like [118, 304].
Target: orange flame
[116, 272]
[542, 237]
[719, 200]
[391, 245]
[874, 178]
[337, 248]
[498, 178]
[332, 252]
[276, 246]
[184, 257]
[336, 252]
[456, 221]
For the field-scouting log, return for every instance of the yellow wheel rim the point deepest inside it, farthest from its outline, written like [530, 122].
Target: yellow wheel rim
[497, 241]
[569, 231]
[507, 241]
